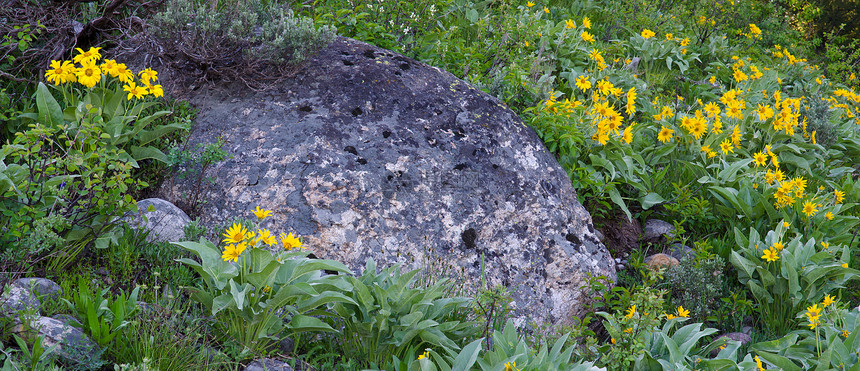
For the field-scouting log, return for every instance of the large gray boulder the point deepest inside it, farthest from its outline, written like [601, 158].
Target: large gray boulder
[366, 153]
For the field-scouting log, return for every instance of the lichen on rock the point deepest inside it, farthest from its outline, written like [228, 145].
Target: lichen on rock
[366, 153]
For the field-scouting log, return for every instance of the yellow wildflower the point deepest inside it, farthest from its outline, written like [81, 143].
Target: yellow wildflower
[760, 159]
[235, 234]
[583, 83]
[778, 246]
[770, 255]
[827, 301]
[665, 135]
[809, 208]
[587, 36]
[726, 147]
[261, 213]
[631, 311]
[89, 56]
[289, 242]
[89, 74]
[840, 196]
[61, 72]
[647, 34]
[135, 91]
[232, 252]
[265, 236]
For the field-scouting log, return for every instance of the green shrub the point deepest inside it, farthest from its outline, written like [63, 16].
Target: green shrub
[243, 40]
[191, 164]
[248, 288]
[696, 284]
[509, 351]
[389, 314]
[785, 276]
[66, 178]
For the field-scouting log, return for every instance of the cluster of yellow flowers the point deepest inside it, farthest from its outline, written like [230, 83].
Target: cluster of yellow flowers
[681, 313]
[772, 254]
[557, 107]
[850, 111]
[780, 52]
[647, 34]
[597, 58]
[813, 313]
[238, 239]
[740, 76]
[705, 21]
[754, 32]
[88, 73]
[789, 191]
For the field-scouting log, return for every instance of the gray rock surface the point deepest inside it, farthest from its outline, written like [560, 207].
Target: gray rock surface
[16, 298]
[73, 347]
[268, 364]
[657, 230]
[366, 153]
[24, 293]
[734, 336]
[164, 221]
[681, 252]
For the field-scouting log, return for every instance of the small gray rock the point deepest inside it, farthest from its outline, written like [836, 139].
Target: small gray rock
[681, 252]
[268, 364]
[16, 299]
[163, 220]
[42, 287]
[599, 235]
[735, 336]
[73, 347]
[286, 345]
[656, 230]
[24, 294]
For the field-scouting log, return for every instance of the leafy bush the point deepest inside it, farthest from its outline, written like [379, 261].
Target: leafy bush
[248, 287]
[102, 318]
[789, 275]
[696, 284]
[245, 40]
[509, 351]
[388, 315]
[66, 178]
[191, 164]
[831, 342]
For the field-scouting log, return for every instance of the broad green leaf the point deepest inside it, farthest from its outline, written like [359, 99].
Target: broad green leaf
[50, 112]
[779, 361]
[301, 323]
[222, 302]
[651, 199]
[467, 356]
